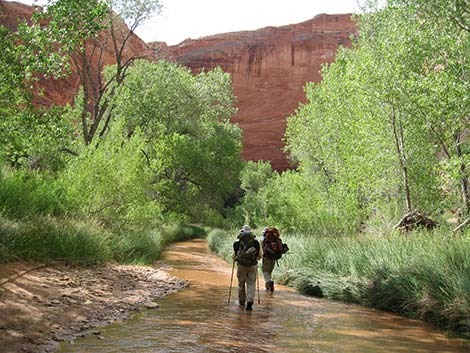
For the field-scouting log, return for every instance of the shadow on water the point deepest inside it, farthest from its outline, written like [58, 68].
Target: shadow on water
[199, 319]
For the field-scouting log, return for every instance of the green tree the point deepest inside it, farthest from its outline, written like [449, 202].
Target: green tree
[432, 43]
[28, 135]
[393, 107]
[12, 83]
[254, 179]
[85, 32]
[192, 148]
[111, 183]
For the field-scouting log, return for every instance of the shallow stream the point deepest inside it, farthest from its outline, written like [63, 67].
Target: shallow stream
[199, 319]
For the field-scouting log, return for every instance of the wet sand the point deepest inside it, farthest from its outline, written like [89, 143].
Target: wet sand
[41, 306]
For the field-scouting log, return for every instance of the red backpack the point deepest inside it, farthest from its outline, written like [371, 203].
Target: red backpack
[272, 244]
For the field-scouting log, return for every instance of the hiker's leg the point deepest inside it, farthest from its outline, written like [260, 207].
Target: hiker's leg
[266, 273]
[264, 269]
[241, 275]
[267, 268]
[251, 285]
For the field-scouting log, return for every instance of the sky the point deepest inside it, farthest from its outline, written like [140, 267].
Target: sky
[182, 19]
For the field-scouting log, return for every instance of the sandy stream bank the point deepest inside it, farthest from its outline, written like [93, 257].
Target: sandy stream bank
[48, 304]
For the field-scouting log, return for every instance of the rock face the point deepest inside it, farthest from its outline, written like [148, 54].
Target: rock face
[63, 91]
[269, 68]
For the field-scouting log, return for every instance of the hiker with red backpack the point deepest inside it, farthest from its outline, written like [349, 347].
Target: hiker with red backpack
[246, 254]
[273, 248]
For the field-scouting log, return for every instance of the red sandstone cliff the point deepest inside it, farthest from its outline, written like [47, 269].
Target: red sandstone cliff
[64, 90]
[269, 68]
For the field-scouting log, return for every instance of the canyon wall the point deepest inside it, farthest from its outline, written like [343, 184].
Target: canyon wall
[269, 68]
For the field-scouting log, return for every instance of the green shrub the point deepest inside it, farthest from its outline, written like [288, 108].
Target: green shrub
[110, 182]
[26, 193]
[220, 242]
[181, 232]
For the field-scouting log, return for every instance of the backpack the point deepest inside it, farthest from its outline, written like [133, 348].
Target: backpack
[273, 248]
[246, 254]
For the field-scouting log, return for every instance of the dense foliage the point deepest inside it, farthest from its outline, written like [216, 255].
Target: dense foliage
[384, 133]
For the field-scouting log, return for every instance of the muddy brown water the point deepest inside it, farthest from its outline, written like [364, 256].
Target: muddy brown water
[199, 319]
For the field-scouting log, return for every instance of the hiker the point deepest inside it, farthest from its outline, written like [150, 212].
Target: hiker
[246, 254]
[273, 248]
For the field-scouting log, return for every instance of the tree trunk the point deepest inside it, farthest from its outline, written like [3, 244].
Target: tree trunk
[400, 146]
[463, 177]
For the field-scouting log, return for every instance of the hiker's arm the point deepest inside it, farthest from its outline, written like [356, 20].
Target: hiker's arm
[235, 249]
[257, 247]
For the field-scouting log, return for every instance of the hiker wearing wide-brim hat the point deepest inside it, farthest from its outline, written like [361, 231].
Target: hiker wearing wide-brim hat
[246, 254]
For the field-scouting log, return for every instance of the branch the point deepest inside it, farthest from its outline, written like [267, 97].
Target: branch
[106, 205]
[146, 157]
[107, 121]
[127, 37]
[15, 277]
[185, 178]
[436, 134]
[456, 229]
[68, 150]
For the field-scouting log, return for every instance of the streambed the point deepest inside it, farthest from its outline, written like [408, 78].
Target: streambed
[199, 319]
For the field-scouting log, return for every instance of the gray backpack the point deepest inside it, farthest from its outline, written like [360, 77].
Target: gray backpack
[246, 253]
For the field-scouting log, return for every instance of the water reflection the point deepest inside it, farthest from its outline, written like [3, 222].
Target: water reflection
[199, 319]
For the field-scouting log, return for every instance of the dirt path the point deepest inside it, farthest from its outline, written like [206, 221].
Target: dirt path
[41, 306]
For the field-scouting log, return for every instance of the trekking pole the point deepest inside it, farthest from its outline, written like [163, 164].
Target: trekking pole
[257, 283]
[231, 280]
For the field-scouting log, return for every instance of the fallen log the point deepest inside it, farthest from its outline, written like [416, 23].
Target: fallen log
[413, 220]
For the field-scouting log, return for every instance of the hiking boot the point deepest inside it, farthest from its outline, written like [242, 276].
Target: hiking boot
[241, 303]
[267, 285]
[249, 306]
[271, 286]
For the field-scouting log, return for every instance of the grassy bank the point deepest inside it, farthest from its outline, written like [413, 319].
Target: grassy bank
[40, 221]
[421, 276]
[46, 239]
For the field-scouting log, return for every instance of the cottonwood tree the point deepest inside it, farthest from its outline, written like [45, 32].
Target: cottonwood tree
[192, 148]
[87, 31]
[455, 11]
[28, 134]
[400, 92]
[436, 89]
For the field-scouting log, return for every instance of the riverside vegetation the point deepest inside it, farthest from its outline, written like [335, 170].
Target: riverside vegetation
[117, 174]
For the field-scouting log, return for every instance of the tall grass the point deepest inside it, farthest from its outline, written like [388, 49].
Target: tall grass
[49, 238]
[425, 276]
[220, 242]
[146, 247]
